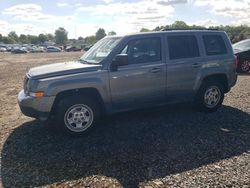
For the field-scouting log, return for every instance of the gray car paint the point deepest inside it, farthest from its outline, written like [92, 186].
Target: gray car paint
[64, 68]
[132, 86]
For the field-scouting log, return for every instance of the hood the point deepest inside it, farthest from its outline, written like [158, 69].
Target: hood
[239, 51]
[58, 69]
[236, 51]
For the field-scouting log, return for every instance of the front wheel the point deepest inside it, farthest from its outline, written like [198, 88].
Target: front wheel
[210, 96]
[77, 115]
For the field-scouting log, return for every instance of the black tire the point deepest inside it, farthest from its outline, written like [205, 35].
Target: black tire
[244, 66]
[65, 108]
[205, 102]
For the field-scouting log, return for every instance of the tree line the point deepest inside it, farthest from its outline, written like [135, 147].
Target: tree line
[235, 33]
[60, 37]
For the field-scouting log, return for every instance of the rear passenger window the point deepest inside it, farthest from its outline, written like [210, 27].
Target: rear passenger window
[214, 45]
[184, 46]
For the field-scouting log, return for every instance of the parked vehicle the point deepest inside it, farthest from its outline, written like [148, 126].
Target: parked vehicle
[134, 71]
[18, 50]
[3, 49]
[72, 49]
[53, 49]
[242, 51]
[27, 47]
[9, 48]
[87, 48]
[36, 49]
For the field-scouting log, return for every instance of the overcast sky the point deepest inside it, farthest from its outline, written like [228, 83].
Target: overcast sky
[84, 17]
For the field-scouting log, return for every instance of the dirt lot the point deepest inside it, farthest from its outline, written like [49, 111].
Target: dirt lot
[165, 147]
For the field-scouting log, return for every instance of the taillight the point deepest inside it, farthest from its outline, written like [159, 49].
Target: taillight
[235, 61]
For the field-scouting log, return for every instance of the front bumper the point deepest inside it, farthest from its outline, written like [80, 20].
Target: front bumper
[31, 112]
[35, 107]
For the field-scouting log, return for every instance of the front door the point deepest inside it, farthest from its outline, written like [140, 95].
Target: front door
[143, 80]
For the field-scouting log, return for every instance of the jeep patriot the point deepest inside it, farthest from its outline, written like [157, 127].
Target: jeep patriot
[129, 72]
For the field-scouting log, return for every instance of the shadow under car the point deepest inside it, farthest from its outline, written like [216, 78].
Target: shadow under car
[130, 147]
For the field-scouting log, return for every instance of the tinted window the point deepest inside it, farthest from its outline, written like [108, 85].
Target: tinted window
[183, 47]
[143, 50]
[214, 45]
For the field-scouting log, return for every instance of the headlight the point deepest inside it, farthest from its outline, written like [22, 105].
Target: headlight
[36, 94]
[26, 84]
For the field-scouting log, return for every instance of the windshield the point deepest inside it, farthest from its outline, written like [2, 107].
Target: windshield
[242, 46]
[100, 50]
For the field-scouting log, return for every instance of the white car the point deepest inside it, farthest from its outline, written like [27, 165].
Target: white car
[2, 49]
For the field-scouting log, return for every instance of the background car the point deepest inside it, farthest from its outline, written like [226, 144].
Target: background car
[242, 51]
[53, 49]
[18, 50]
[87, 48]
[72, 49]
[2, 49]
[9, 48]
[37, 49]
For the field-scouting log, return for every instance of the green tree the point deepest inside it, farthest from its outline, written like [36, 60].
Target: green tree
[179, 24]
[111, 33]
[23, 38]
[1, 37]
[100, 34]
[61, 35]
[42, 38]
[144, 30]
[50, 37]
[13, 36]
[32, 39]
[158, 28]
[90, 40]
[8, 40]
[235, 33]
[80, 38]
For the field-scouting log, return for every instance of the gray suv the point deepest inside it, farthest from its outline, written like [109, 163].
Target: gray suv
[134, 71]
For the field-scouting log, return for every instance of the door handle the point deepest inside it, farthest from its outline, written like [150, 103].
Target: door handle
[155, 70]
[196, 65]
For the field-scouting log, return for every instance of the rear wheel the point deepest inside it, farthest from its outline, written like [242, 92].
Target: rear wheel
[245, 66]
[210, 96]
[77, 115]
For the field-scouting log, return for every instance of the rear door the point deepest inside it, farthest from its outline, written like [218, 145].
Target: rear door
[183, 65]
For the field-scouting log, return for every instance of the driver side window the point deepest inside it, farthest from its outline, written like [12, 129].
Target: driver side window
[143, 50]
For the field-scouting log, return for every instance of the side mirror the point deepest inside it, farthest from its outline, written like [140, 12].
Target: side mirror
[119, 60]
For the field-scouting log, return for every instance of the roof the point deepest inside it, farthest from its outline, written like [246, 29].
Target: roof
[176, 31]
[168, 31]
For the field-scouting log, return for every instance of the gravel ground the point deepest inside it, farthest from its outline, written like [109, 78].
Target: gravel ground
[170, 146]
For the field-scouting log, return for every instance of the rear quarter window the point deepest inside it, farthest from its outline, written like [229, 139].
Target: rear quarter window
[214, 45]
[183, 46]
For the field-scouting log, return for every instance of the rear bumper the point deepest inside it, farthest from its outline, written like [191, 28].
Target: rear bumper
[35, 107]
[234, 80]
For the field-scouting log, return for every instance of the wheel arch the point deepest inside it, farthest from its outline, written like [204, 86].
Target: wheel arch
[220, 77]
[79, 92]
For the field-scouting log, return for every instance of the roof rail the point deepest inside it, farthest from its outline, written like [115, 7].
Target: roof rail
[174, 29]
